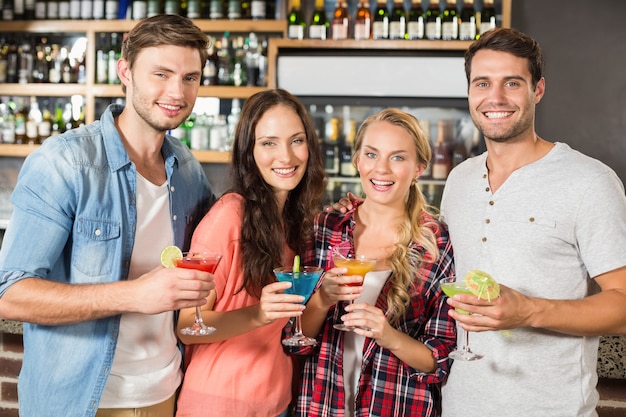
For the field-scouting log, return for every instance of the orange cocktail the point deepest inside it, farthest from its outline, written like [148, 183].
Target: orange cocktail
[355, 266]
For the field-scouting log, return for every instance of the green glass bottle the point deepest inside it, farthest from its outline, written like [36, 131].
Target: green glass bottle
[380, 25]
[397, 21]
[415, 21]
[295, 22]
[450, 22]
[319, 27]
[432, 28]
[467, 25]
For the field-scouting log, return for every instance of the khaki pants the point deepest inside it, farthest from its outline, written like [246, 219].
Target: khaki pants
[164, 409]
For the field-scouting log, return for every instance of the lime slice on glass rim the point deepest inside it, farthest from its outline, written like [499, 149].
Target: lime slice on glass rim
[296, 265]
[168, 254]
[482, 285]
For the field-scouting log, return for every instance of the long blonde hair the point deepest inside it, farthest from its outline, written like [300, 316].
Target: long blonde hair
[415, 243]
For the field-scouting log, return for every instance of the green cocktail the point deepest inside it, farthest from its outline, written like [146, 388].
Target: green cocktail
[453, 288]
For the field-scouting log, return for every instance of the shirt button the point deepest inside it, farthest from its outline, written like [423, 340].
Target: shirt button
[532, 219]
[487, 189]
[491, 203]
[172, 189]
[484, 239]
[174, 217]
[98, 232]
[487, 221]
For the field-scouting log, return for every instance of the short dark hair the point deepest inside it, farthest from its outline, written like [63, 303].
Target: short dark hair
[513, 42]
[164, 29]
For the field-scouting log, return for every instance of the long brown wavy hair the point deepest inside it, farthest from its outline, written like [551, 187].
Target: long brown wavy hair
[264, 228]
[415, 231]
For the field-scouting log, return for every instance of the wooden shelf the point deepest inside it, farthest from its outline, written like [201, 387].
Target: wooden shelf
[22, 151]
[86, 26]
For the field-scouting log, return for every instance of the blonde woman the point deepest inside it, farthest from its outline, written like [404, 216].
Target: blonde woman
[395, 360]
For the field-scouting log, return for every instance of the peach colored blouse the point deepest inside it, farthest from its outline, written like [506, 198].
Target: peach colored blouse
[248, 375]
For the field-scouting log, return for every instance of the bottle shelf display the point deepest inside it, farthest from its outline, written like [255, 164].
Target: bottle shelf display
[92, 91]
[432, 20]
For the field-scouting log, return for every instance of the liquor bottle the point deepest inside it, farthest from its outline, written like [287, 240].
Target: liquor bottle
[41, 10]
[450, 22]
[98, 9]
[45, 126]
[173, 7]
[340, 26]
[380, 25]
[258, 9]
[7, 125]
[209, 71]
[139, 9]
[487, 17]
[193, 9]
[363, 21]
[319, 27]
[8, 12]
[252, 58]
[346, 151]
[397, 21]
[52, 10]
[86, 9]
[74, 9]
[40, 65]
[18, 9]
[111, 9]
[433, 21]
[64, 9]
[4, 62]
[246, 13]
[415, 21]
[467, 26]
[29, 9]
[102, 59]
[233, 11]
[442, 159]
[33, 118]
[330, 150]
[216, 9]
[153, 7]
[295, 22]
[25, 72]
[224, 61]
[20, 121]
[114, 54]
[57, 119]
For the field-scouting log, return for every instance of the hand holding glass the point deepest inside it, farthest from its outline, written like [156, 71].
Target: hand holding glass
[356, 265]
[203, 261]
[451, 287]
[302, 283]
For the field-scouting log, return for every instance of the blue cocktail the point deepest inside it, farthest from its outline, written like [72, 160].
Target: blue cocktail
[303, 283]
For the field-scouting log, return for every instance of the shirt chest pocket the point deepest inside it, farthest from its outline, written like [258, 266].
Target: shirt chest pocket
[95, 247]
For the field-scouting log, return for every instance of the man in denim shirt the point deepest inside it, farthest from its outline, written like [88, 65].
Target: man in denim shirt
[80, 260]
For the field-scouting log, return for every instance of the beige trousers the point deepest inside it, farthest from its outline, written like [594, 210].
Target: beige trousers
[164, 409]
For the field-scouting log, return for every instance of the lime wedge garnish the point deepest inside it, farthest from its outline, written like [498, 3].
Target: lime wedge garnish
[296, 264]
[482, 285]
[168, 254]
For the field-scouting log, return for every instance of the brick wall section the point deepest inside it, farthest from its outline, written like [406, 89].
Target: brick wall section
[11, 353]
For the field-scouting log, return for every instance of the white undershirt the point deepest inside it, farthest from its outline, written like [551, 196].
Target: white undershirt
[146, 365]
[353, 343]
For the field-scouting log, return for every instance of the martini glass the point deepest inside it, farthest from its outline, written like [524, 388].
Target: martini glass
[451, 287]
[203, 261]
[356, 265]
[302, 283]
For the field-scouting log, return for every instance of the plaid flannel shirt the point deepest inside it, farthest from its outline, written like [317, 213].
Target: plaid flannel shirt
[387, 386]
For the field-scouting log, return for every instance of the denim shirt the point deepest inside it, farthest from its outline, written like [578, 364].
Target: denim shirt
[74, 222]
